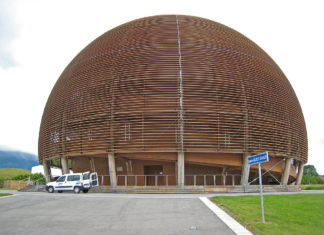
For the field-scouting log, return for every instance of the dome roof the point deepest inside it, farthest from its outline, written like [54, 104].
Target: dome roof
[163, 83]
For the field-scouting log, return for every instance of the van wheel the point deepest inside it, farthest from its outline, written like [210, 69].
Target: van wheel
[50, 189]
[60, 191]
[85, 190]
[76, 190]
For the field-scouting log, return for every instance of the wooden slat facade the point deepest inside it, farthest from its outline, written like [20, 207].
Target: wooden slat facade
[121, 94]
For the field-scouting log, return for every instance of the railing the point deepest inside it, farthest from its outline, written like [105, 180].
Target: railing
[147, 180]
[211, 180]
[104, 179]
[171, 180]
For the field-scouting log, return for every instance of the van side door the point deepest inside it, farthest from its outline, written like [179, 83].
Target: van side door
[73, 180]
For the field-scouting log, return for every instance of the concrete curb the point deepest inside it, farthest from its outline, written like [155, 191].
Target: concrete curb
[228, 220]
[9, 196]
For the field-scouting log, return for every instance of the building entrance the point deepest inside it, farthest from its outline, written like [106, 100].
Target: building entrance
[154, 175]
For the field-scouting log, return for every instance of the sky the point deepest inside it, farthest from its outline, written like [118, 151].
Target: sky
[38, 38]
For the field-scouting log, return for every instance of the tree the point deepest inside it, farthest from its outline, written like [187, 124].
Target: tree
[310, 170]
[310, 176]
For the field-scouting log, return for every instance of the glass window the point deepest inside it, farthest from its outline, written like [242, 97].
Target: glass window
[86, 176]
[73, 178]
[76, 177]
[61, 179]
[93, 177]
[70, 178]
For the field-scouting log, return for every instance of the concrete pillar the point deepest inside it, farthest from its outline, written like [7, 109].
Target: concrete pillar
[112, 169]
[224, 174]
[92, 165]
[181, 165]
[285, 175]
[64, 163]
[245, 169]
[46, 171]
[300, 173]
[296, 163]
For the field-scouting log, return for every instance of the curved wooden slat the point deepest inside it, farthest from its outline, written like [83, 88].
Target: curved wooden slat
[121, 94]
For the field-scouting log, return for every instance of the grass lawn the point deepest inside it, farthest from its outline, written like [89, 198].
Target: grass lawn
[284, 214]
[313, 187]
[4, 194]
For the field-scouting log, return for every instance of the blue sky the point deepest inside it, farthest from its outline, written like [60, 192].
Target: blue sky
[38, 38]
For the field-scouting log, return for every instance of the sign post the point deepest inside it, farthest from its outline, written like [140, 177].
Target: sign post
[260, 158]
[261, 193]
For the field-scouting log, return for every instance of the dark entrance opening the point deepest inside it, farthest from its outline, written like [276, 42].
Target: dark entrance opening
[153, 173]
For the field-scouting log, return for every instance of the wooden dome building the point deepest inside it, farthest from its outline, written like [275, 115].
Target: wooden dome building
[182, 98]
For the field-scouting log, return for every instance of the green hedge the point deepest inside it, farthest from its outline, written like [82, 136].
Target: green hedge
[33, 177]
[1, 182]
[313, 187]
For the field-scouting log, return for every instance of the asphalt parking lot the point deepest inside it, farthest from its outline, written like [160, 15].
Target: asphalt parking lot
[68, 213]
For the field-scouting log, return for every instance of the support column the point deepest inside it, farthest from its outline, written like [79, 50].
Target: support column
[112, 169]
[300, 173]
[245, 169]
[46, 171]
[181, 165]
[224, 174]
[285, 175]
[64, 163]
[92, 165]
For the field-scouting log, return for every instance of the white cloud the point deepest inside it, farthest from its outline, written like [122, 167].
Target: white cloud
[9, 31]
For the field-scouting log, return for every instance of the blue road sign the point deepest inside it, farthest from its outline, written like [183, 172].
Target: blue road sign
[262, 157]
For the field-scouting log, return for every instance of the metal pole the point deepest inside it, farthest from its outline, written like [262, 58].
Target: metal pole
[261, 193]
[180, 88]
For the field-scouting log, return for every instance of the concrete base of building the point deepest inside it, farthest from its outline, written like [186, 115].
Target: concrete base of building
[196, 189]
[177, 190]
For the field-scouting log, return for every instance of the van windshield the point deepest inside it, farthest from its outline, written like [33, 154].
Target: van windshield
[61, 179]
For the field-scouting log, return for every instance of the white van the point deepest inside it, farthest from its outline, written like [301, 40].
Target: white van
[75, 182]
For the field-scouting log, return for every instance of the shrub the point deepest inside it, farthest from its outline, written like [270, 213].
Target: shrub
[312, 179]
[310, 176]
[34, 177]
[312, 187]
[21, 177]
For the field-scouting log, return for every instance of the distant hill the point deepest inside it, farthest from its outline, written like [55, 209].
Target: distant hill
[17, 159]
[8, 173]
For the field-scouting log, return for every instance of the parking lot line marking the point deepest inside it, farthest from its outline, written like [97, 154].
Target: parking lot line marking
[235, 226]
